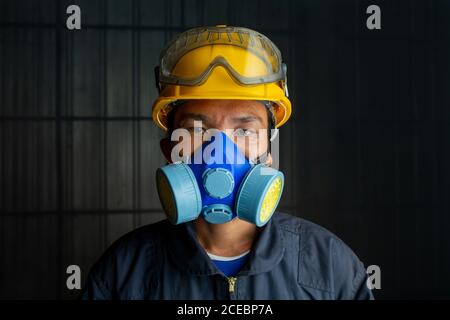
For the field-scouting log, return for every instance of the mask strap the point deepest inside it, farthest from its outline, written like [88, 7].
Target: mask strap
[262, 159]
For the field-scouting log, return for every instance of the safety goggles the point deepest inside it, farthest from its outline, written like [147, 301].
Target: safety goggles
[249, 57]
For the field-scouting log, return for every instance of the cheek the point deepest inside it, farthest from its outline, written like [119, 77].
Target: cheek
[252, 148]
[186, 147]
[196, 142]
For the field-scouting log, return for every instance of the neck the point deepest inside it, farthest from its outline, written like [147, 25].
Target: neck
[226, 239]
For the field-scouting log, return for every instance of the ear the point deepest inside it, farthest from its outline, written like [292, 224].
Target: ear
[166, 148]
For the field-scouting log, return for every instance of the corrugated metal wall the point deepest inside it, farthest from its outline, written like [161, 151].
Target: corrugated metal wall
[366, 153]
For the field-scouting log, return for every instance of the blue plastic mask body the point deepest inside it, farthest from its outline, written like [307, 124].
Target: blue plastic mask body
[219, 168]
[219, 183]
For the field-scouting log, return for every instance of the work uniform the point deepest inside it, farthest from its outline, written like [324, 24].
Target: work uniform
[292, 258]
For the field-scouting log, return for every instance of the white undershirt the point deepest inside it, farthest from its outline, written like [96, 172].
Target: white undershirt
[222, 258]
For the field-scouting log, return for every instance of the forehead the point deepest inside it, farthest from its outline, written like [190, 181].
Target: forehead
[221, 110]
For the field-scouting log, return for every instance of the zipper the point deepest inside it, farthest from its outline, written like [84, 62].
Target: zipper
[231, 284]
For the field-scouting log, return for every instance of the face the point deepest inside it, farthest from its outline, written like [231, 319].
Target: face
[244, 121]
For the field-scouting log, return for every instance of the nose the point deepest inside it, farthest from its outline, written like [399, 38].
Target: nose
[219, 149]
[229, 132]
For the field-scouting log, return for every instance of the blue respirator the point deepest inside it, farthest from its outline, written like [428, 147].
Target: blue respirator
[221, 184]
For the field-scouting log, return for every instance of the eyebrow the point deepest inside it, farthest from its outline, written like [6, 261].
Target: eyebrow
[193, 116]
[249, 118]
[201, 117]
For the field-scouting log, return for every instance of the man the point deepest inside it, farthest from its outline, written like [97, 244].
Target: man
[222, 89]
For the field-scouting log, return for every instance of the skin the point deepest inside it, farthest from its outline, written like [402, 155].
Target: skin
[240, 120]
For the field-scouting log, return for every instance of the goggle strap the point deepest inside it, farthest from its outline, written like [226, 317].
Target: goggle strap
[157, 82]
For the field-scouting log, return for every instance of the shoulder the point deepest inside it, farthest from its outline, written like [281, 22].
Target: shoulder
[325, 261]
[135, 253]
[142, 239]
[310, 233]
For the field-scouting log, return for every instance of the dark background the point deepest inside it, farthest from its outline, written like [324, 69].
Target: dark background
[366, 152]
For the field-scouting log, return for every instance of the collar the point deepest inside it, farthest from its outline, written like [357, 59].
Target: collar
[186, 252]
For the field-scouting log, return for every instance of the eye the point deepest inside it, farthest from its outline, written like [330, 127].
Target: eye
[241, 132]
[196, 129]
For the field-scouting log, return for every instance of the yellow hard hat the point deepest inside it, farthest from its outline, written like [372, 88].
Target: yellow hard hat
[221, 63]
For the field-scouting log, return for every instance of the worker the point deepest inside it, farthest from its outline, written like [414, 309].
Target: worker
[224, 90]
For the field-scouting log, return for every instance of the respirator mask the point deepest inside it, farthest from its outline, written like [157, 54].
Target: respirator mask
[218, 182]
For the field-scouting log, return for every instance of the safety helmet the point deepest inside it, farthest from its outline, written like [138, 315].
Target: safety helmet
[221, 62]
